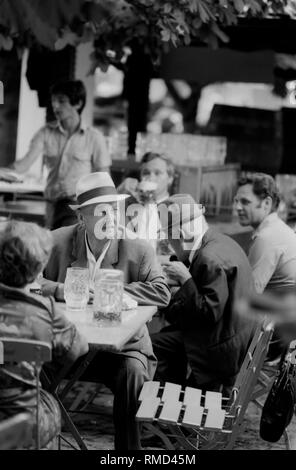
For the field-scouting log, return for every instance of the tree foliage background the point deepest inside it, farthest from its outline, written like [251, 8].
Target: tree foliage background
[115, 26]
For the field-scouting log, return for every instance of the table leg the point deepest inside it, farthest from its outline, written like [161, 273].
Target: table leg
[61, 396]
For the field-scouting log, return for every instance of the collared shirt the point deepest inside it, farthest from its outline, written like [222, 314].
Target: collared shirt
[67, 158]
[93, 264]
[272, 255]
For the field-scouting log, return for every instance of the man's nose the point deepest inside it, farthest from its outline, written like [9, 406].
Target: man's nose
[237, 205]
[55, 105]
[147, 177]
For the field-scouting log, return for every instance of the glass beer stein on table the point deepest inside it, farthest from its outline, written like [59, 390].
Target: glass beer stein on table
[146, 191]
[76, 288]
[108, 297]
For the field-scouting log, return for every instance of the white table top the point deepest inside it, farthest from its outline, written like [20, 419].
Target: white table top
[111, 338]
[27, 186]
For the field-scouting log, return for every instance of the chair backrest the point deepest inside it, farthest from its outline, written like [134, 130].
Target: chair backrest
[175, 407]
[16, 350]
[251, 367]
[13, 431]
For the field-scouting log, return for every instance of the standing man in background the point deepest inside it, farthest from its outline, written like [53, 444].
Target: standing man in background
[69, 150]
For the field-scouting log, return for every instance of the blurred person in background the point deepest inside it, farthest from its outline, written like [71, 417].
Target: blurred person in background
[157, 174]
[69, 150]
[279, 310]
[157, 168]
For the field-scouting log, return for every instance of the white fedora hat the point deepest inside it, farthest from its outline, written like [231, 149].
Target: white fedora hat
[96, 188]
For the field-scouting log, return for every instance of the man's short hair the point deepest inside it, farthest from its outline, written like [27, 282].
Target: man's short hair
[73, 89]
[24, 251]
[263, 186]
[149, 156]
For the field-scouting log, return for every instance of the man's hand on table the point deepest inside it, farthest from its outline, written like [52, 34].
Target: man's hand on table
[59, 292]
[9, 175]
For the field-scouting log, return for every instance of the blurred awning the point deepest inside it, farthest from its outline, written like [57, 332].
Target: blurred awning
[250, 55]
[204, 65]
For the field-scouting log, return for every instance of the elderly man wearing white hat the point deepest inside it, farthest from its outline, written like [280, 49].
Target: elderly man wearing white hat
[95, 242]
[204, 331]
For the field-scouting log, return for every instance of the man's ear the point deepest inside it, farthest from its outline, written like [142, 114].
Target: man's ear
[268, 203]
[78, 105]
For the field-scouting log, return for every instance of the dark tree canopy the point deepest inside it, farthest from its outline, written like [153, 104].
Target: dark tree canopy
[116, 25]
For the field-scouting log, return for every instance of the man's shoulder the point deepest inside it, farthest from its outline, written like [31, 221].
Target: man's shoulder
[218, 246]
[213, 237]
[63, 233]
[136, 245]
[93, 132]
[274, 229]
[46, 130]
[50, 127]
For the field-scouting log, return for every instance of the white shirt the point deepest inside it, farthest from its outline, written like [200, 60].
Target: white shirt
[272, 255]
[197, 242]
[93, 264]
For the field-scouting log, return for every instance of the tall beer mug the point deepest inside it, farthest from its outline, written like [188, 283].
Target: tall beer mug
[108, 297]
[76, 288]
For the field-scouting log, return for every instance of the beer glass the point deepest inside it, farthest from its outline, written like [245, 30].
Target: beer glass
[76, 288]
[108, 297]
[146, 191]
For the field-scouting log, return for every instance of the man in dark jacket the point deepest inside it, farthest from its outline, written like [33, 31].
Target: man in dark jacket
[204, 335]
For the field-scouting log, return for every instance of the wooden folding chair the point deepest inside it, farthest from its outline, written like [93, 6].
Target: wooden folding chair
[14, 431]
[189, 419]
[14, 350]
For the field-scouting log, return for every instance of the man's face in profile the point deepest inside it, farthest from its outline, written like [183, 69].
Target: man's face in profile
[251, 210]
